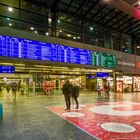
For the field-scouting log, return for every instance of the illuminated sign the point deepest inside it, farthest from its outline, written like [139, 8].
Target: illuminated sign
[7, 69]
[103, 60]
[126, 63]
[37, 50]
[28, 49]
[102, 74]
[138, 65]
[89, 76]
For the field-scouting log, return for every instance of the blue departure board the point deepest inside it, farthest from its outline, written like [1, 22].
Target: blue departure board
[7, 69]
[29, 49]
[37, 50]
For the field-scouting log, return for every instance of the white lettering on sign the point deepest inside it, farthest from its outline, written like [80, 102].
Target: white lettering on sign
[126, 64]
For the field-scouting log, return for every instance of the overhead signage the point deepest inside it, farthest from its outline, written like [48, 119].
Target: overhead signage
[102, 74]
[90, 76]
[7, 69]
[126, 63]
[29, 49]
[103, 59]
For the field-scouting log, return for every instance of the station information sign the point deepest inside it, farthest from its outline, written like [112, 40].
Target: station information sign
[103, 59]
[7, 69]
[28, 49]
[102, 74]
[37, 50]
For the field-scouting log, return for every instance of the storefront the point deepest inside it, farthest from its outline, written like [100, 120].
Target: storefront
[127, 83]
[136, 83]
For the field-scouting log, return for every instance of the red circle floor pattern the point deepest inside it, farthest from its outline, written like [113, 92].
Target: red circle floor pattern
[106, 121]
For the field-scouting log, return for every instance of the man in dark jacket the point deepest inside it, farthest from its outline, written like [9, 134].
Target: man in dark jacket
[67, 91]
[75, 95]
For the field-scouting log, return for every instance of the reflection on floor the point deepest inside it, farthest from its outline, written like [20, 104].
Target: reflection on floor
[106, 121]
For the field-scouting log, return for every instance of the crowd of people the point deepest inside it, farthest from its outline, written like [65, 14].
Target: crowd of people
[14, 87]
[70, 91]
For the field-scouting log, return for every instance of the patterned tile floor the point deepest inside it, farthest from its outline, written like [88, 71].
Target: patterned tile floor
[28, 118]
[106, 121]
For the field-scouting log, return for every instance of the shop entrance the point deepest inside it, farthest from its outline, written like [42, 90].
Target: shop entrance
[34, 78]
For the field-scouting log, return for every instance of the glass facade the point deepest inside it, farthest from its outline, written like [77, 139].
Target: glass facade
[33, 16]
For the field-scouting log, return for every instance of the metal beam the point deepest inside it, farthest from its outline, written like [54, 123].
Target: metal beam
[122, 24]
[98, 12]
[117, 14]
[129, 26]
[102, 18]
[55, 4]
[125, 7]
[79, 8]
[137, 32]
[116, 22]
[66, 9]
[133, 28]
[108, 13]
[90, 8]
[43, 4]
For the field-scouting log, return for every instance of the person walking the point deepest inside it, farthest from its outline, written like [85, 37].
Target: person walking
[0, 89]
[67, 90]
[106, 88]
[75, 95]
[7, 88]
[99, 89]
[14, 90]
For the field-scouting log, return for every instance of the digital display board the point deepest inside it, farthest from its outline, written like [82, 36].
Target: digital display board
[103, 59]
[7, 69]
[37, 50]
[28, 49]
[102, 74]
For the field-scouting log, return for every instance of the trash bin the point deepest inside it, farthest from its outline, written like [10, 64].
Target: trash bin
[1, 112]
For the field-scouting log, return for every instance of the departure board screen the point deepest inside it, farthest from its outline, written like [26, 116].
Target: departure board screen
[29, 49]
[37, 50]
[7, 69]
[103, 59]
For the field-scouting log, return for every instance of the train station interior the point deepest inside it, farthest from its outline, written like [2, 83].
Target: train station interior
[69, 69]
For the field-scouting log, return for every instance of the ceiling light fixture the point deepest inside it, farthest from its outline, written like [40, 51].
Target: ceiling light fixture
[10, 24]
[8, 18]
[69, 35]
[31, 28]
[35, 32]
[91, 28]
[10, 9]
[50, 20]
[47, 33]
